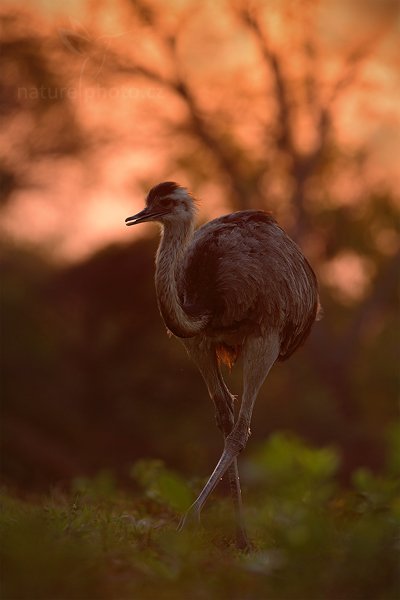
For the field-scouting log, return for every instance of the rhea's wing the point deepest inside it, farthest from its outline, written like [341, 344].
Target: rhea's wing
[245, 272]
[227, 268]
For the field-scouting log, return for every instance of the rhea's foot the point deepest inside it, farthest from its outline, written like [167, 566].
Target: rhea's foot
[190, 519]
[242, 541]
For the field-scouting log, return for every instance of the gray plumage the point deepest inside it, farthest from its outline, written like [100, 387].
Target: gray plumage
[249, 276]
[238, 285]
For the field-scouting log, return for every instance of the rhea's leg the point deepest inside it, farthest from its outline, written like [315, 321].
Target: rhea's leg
[259, 355]
[225, 421]
[204, 357]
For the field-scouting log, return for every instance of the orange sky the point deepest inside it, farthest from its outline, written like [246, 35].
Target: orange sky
[92, 199]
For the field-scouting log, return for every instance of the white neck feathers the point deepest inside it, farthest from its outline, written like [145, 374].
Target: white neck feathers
[169, 262]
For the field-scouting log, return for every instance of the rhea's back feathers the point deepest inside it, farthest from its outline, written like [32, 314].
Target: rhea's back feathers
[245, 272]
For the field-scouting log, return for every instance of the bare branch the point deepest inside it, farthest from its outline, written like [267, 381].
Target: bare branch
[224, 158]
[301, 166]
[355, 60]
[137, 70]
[197, 123]
[284, 133]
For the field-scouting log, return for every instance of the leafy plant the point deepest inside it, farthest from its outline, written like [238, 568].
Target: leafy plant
[312, 538]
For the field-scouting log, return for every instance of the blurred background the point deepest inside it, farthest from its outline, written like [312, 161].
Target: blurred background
[290, 106]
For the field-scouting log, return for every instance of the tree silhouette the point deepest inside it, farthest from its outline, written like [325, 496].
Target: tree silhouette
[289, 97]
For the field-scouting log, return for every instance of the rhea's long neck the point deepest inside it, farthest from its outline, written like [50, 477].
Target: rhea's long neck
[169, 262]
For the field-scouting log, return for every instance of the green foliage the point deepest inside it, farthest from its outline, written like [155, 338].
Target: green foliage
[89, 378]
[162, 485]
[291, 467]
[312, 538]
[102, 486]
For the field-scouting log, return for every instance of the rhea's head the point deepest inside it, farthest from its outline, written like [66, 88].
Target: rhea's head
[167, 203]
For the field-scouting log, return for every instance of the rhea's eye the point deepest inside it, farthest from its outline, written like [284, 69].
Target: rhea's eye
[165, 202]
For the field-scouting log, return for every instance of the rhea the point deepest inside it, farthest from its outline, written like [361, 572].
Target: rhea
[237, 286]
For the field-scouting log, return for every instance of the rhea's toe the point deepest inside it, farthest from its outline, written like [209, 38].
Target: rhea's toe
[190, 519]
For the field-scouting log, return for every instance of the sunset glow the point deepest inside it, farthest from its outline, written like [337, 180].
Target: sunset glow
[78, 206]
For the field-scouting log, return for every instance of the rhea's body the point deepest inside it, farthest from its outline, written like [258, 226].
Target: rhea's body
[241, 273]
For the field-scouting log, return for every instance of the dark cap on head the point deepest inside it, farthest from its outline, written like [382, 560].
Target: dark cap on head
[162, 189]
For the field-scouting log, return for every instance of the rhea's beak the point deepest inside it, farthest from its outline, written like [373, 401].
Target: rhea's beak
[145, 215]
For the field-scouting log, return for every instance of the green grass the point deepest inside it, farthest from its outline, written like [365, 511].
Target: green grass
[312, 539]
